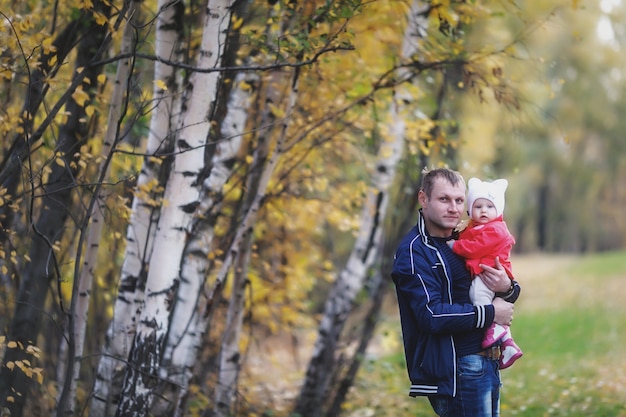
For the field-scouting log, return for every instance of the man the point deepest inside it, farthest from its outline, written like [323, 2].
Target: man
[442, 330]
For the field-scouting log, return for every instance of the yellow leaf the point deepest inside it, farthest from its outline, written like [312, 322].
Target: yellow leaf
[33, 350]
[237, 23]
[100, 19]
[161, 84]
[80, 97]
[47, 45]
[155, 160]
[90, 110]
[10, 399]
[12, 344]
[10, 365]
[101, 78]
[276, 111]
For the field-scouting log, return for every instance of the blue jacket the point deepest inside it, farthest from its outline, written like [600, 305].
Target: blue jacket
[429, 315]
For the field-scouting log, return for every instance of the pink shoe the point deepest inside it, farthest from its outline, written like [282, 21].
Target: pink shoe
[494, 333]
[510, 353]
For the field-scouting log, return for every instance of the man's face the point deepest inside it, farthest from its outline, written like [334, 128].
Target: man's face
[443, 210]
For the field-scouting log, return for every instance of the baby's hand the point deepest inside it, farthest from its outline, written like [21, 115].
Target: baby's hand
[450, 243]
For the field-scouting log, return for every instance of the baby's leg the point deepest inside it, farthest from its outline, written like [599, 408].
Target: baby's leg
[479, 293]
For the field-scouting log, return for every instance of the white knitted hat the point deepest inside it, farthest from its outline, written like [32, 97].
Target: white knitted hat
[492, 191]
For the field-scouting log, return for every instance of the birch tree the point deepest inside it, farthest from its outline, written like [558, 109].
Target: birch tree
[188, 318]
[230, 354]
[191, 307]
[144, 214]
[84, 271]
[23, 136]
[350, 280]
[48, 228]
[258, 179]
[229, 362]
[181, 197]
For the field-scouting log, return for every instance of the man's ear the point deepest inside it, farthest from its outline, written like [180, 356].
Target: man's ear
[421, 197]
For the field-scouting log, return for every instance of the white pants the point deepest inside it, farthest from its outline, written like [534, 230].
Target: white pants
[479, 293]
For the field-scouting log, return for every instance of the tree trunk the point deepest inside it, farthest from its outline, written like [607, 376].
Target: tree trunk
[378, 291]
[230, 361]
[230, 355]
[315, 389]
[182, 196]
[10, 168]
[48, 229]
[85, 270]
[186, 330]
[143, 218]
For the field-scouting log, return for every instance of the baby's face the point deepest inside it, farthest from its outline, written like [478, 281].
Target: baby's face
[483, 211]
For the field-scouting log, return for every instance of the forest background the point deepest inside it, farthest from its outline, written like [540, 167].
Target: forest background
[184, 183]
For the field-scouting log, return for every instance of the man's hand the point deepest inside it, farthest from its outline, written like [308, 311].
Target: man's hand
[496, 278]
[504, 311]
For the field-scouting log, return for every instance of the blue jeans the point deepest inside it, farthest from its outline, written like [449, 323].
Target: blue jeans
[478, 390]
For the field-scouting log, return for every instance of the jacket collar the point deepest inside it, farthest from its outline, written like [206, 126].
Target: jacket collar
[423, 232]
[421, 227]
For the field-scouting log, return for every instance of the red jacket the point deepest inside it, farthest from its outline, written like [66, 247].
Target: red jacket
[482, 243]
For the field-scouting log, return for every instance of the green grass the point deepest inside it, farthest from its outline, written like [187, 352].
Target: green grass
[573, 365]
[571, 324]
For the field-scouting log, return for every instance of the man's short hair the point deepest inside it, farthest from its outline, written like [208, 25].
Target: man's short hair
[429, 177]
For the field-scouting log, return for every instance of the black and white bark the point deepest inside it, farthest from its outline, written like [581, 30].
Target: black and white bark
[182, 198]
[56, 197]
[186, 329]
[85, 270]
[350, 280]
[144, 215]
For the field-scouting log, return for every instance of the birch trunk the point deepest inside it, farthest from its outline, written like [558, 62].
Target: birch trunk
[11, 175]
[230, 356]
[82, 287]
[185, 335]
[377, 293]
[350, 280]
[56, 198]
[143, 218]
[182, 197]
